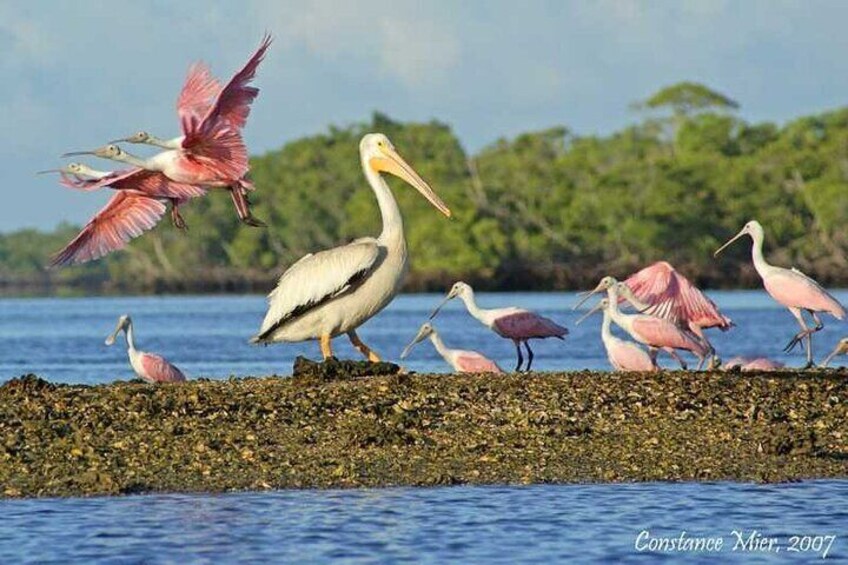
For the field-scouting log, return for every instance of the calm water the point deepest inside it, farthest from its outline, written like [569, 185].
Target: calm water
[62, 340]
[582, 523]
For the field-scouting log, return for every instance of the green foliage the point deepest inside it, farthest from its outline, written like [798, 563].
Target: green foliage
[546, 209]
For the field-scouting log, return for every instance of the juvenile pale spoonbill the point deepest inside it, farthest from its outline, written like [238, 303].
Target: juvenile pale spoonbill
[791, 288]
[751, 364]
[335, 291]
[513, 323]
[148, 366]
[623, 355]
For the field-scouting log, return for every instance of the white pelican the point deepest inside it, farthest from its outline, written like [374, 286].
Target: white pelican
[333, 292]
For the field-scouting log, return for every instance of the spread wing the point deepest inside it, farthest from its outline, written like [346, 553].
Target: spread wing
[316, 279]
[151, 183]
[232, 105]
[672, 296]
[127, 215]
[197, 94]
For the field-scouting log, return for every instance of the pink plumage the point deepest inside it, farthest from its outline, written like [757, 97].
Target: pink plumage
[658, 332]
[158, 370]
[524, 325]
[198, 93]
[150, 183]
[127, 215]
[794, 289]
[473, 362]
[626, 356]
[748, 364]
[672, 296]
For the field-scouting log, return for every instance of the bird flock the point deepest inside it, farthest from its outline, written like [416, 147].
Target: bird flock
[333, 292]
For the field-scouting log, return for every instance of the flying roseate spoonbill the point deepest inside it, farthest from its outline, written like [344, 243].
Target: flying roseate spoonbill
[840, 349]
[461, 360]
[211, 151]
[656, 333]
[148, 366]
[153, 184]
[666, 293]
[513, 323]
[623, 355]
[791, 288]
[752, 364]
[203, 100]
[335, 291]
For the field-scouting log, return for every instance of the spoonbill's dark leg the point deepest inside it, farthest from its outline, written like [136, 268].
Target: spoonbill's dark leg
[243, 207]
[805, 333]
[176, 217]
[520, 357]
[529, 356]
[676, 357]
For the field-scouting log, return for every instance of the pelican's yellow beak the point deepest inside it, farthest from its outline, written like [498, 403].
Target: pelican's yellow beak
[391, 162]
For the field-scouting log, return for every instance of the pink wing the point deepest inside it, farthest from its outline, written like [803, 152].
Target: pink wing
[673, 297]
[159, 370]
[150, 183]
[199, 90]
[659, 332]
[794, 289]
[219, 154]
[762, 364]
[232, 106]
[528, 325]
[127, 215]
[473, 362]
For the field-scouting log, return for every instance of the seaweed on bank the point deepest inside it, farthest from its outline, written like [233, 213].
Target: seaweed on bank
[317, 432]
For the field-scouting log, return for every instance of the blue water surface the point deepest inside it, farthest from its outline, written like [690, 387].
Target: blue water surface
[61, 339]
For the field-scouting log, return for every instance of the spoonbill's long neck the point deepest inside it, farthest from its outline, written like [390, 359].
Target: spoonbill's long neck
[133, 160]
[471, 304]
[175, 143]
[606, 332]
[440, 346]
[130, 340]
[757, 253]
[614, 312]
[392, 220]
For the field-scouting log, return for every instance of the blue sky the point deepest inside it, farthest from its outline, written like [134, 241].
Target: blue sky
[80, 73]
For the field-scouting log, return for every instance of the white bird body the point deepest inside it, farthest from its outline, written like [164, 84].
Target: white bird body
[332, 292]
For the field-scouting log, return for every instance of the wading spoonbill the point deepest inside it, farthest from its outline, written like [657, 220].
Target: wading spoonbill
[148, 366]
[461, 360]
[335, 291]
[791, 288]
[516, 324]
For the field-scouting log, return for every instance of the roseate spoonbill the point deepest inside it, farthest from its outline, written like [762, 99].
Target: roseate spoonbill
[840, 349]
[623, 355]
[749, 364]
[513, 323]
[211, 151]
[791, 288]
[461, 360]
[202, 99]
[148, 366]
[665, 293]
[153, 184]
[656, 333]
[335, 291]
